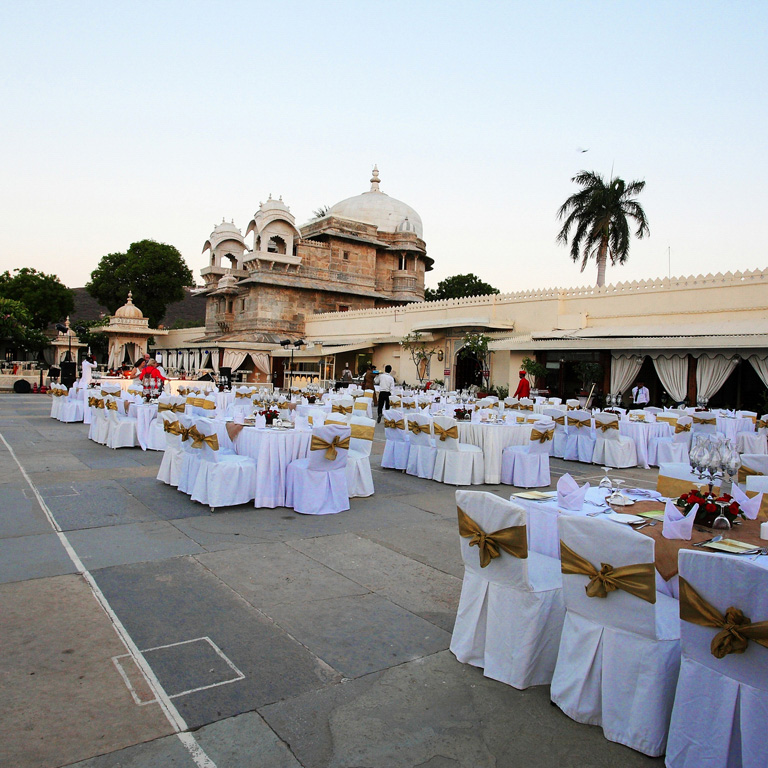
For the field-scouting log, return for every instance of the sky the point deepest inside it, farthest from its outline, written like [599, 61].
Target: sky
[122, 121]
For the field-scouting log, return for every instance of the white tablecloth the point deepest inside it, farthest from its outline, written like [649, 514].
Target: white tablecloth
[641, 432]
[493, 439]
[274, 450]
[730, 427]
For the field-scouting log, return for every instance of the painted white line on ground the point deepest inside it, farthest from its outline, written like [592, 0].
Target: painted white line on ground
[169, 710]
[128, 684]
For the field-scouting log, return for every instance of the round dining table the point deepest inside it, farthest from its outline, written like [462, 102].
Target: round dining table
[493, 438]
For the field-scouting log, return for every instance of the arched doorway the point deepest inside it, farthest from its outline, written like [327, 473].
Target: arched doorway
[469, 370]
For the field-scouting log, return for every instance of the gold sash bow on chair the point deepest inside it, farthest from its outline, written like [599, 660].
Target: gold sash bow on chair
[207, 405]
[560, 420]
[243, 395]
[198, 438]
[318, 444]
[111, 405]
[418, 428]
[361, 432]
[341, 408]
[525, 407]
[99, 403]
[679, 428]
[572, 407]
[174, 428]
[607, 426]
[711, 422]
[91, 402]
[443, 433]
[761, 424]
[512, 540]
[578, 423]
[394, 424]
[409, 405]
[736, 628]
[542, 437]
[638, 579]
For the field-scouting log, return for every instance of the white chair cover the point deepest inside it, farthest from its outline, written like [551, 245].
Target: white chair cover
[170, 466]
[619, 655]
[98, 428]
[511, 612]
[456, 463]
[422, 452]
[397, 443]
[751, 442]
[753, 464]
[674, 449]
[121, 429]
[317, 485]
[580, 443]
[612, 449]
[558, 416]
[71, 408]
[359, 477]
[700, 427]
[527, 466]
[721, 705]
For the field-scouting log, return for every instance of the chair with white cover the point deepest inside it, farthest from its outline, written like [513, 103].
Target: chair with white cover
[175, 429]
[580, 444]
[527, 466]
[557, 446]
[653, 409]
[674, 449]
[317, 485]
[572, 404]
[761, 425]
[612, 449]
[121, 429]
[422, 452]
[397, 443]
[99, 424]
[721, 702]
[525, 404]
[223, 478]
[156, 436]
[511, 402]
[316, 417]
[704, 422]
[677, 479]
[359, 477]
[751, 442]
[343, 406]
[56, 397]
[511, 611]
[752, 464]
[71, 409]
[619, 650]
[455, 463]
[757, 483]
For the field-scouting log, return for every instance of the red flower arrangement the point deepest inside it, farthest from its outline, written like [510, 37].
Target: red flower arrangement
[269, 414]
[462, 414]
[709, 507]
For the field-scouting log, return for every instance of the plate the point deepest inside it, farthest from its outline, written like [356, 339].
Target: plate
[624, 503]
[731, 546]
[620, 517]
[653, 514]
[536, 495]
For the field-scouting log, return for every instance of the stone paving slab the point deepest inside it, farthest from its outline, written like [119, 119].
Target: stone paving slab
[33, 557]
[20, 514]
[420, 589]
[175, 601]
[63, 698]
[360, 634]
[165, 501]
[436, 712]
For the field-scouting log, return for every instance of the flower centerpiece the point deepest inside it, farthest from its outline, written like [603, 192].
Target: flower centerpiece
[462, 414]
[709, 507]
[269, 414]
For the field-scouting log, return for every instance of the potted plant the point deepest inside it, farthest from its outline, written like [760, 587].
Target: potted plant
[590, 374]
[536, 371]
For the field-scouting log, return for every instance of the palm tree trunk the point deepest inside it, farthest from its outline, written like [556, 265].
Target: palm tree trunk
[602, 258]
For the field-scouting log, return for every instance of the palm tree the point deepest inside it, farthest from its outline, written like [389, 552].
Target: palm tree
[600, 213]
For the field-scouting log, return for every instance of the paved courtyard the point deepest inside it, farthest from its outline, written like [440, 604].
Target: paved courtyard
[139, 630]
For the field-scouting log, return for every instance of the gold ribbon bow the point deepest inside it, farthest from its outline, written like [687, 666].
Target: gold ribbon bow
[111, 405]
[682, 428]
[417, 428]
[525, 407]
[173, 407]
[638, 579]
[560, 420]
[443, 434]
[98, 403]
[394, 403]
[607, 426]
[91, 402]
[512, 540]
[198, 438]
[243, 395]
[318, 444]
[542, 437]
[409, 405]
[207, 405]
[392, 424]
[362, 432]
[736, 628]
[572, 407]
[697, 420]
[761, 424]
[183, 391]
[174, 427]
[520, 419]
[578, 423]
[341, 408]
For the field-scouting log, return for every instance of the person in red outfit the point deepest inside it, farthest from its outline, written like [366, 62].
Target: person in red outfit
[523, 388]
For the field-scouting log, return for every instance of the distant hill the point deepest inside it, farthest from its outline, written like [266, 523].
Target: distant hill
[191, 310]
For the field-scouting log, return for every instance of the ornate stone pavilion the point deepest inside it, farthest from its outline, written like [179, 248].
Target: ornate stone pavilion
[128, 332]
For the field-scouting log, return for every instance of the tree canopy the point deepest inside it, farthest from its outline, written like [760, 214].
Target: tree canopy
[155, 272]
[46, 299]
[458, 287]
[599, 212]
[16, 326]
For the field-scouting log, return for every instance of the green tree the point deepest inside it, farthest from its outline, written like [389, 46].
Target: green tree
[45, 297]
[155, 272]
[17, 327]
[458, 287]
[599, 212]
[421, 353]
[90, 333]
[475, 345]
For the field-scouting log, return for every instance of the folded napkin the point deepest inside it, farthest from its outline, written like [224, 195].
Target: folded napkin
[569, 495]
[238, 417]
[676, 525]
[750, 507]
[259, 421]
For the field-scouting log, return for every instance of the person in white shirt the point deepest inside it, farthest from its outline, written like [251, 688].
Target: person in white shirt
[640, 395]
[386, 383]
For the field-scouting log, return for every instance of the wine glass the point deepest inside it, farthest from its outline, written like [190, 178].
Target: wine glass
[721, 521]
[606, 483]
[616, 497]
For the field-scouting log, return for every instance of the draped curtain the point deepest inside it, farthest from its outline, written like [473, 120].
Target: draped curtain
[261, 361]
[233, 358]
[673, 374]
[712, 373]
[215, 361]
[624, 368]
[760, 364]
[49, 355]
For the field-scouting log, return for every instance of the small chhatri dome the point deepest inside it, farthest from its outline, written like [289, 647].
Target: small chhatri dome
[129, 309]
[376, 207]
[227, 281]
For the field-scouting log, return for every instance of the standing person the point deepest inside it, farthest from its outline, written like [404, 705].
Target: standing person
[523, 388]
[152, 379]
[88, 364]
[640, 395]
[386, 384]
[369, 381]
[346, 375]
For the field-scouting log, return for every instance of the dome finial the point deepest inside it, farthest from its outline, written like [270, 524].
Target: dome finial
[130, 297]
[375, 180]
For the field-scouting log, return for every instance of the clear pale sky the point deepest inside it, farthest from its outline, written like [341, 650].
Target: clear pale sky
[121, 121]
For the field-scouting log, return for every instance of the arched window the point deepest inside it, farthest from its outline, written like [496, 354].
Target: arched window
[403, 262]
[276, 244]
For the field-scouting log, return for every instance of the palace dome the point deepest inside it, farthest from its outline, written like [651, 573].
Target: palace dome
[375, 207]
[129, 309]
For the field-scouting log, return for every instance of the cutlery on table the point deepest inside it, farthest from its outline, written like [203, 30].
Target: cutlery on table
[713, 540]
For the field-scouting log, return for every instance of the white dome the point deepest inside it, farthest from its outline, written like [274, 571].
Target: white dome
[381, 210]
[129, 309]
